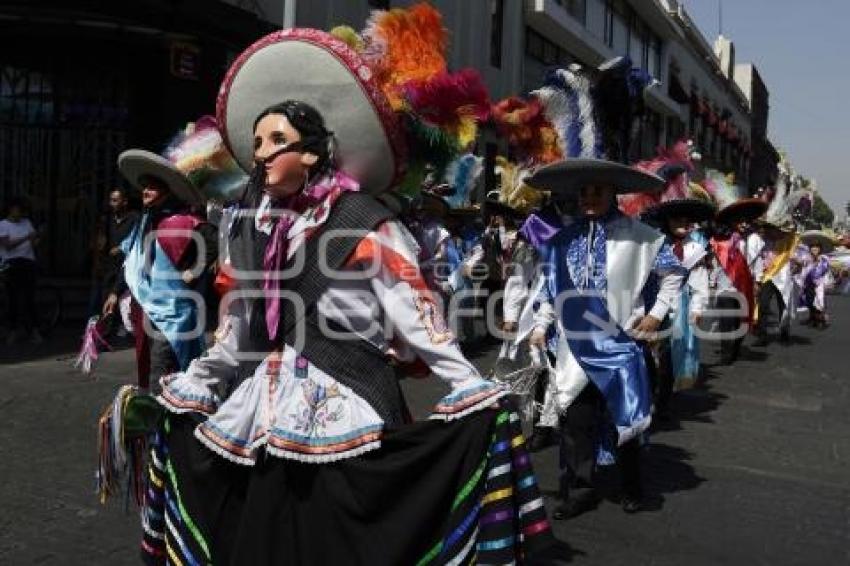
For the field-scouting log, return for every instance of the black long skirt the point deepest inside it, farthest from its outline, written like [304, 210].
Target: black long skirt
[434, 493]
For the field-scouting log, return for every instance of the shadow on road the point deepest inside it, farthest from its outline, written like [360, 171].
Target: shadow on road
[666, 470]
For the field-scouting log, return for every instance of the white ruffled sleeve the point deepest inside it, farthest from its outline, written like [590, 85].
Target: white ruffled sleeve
[206, 382]
[415, 315]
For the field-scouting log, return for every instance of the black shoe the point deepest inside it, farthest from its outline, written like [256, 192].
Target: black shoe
[573, 508]
[542, 437]
[785, 337]
[631, 504]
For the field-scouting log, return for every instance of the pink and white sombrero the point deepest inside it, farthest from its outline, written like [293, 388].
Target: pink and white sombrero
[314, 67]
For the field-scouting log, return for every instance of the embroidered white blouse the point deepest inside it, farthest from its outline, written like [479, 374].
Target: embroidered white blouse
[294, 409]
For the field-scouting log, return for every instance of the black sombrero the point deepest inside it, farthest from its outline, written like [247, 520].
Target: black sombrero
[574, 174]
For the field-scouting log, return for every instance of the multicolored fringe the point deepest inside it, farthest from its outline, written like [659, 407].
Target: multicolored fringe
[499, 512]
[93, 340]
[117, 456]
[170, 534]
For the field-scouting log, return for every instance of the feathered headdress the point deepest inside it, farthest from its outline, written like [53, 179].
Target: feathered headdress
[673, 164]
[462, 175]
[513, 191]
[722, 188]
[198, 151]
[406, 52]
[595, 115]
[527, 130]
[732, 200]
[789, 191]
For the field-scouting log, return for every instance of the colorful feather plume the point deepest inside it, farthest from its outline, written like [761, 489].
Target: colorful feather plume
[527, 129]
[673, 165]
[618, 93]
[462, 175]
[721, 189]
[403, 45]
[405, 49]
[349, 36]
[512, 188]
[788, 194]
[199, 152]
[456, 102]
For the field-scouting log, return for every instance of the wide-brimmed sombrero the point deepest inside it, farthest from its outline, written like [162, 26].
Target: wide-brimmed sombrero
[694, 209]
[745, 209]
[315, 68]
[817, 237]
[433, 205]
[494, 207]
[135, 164]
[571, 175]
[465, 214]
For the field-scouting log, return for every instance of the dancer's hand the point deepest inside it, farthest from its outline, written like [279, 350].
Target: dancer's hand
[538, 338]
[110, 304]
[646, 328]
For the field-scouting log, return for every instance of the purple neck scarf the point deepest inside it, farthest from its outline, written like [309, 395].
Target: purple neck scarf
[276, 252]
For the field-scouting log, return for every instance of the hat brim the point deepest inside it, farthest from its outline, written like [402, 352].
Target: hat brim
[434, 205]
[695, 210]
[464, 212]
[815, 237]
[571, 175]
[494, 207]
[135, 164]
[747, 209]
[315, 68]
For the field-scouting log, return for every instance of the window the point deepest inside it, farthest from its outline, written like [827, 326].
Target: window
[619, 34]
[534, 44]
[26, 96]
[596, 18]
[544, 51]
[497, 13]
[637, 43]
[653, 66]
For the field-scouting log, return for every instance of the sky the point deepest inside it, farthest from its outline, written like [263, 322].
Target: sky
[802, 51]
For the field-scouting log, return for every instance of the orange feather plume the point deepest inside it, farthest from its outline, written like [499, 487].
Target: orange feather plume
[404, 45]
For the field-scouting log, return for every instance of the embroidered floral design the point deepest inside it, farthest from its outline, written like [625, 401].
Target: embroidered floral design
[319, 407]
[432, 318]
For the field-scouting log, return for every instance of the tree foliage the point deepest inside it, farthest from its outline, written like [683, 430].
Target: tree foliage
[821, 212]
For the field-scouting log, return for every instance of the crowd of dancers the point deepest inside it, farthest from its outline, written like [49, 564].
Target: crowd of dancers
[333, 224]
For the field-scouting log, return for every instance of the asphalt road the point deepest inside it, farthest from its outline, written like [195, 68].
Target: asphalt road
[752, 470]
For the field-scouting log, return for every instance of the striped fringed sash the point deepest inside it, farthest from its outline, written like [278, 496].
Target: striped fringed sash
[498, 515]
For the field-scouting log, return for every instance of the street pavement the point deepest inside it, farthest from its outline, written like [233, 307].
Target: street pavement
[753, 469]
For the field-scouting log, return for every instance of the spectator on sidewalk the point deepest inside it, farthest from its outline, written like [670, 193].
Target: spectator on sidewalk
[17, 249]
[109, 257]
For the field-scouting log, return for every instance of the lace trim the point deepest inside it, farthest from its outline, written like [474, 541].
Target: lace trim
[185, 402]
[468, 403]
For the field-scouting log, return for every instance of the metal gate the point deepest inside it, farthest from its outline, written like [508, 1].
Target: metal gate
[59, 152]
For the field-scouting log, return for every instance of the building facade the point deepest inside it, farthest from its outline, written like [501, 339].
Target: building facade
[514, 42]
[765, 157]
[80, 81]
